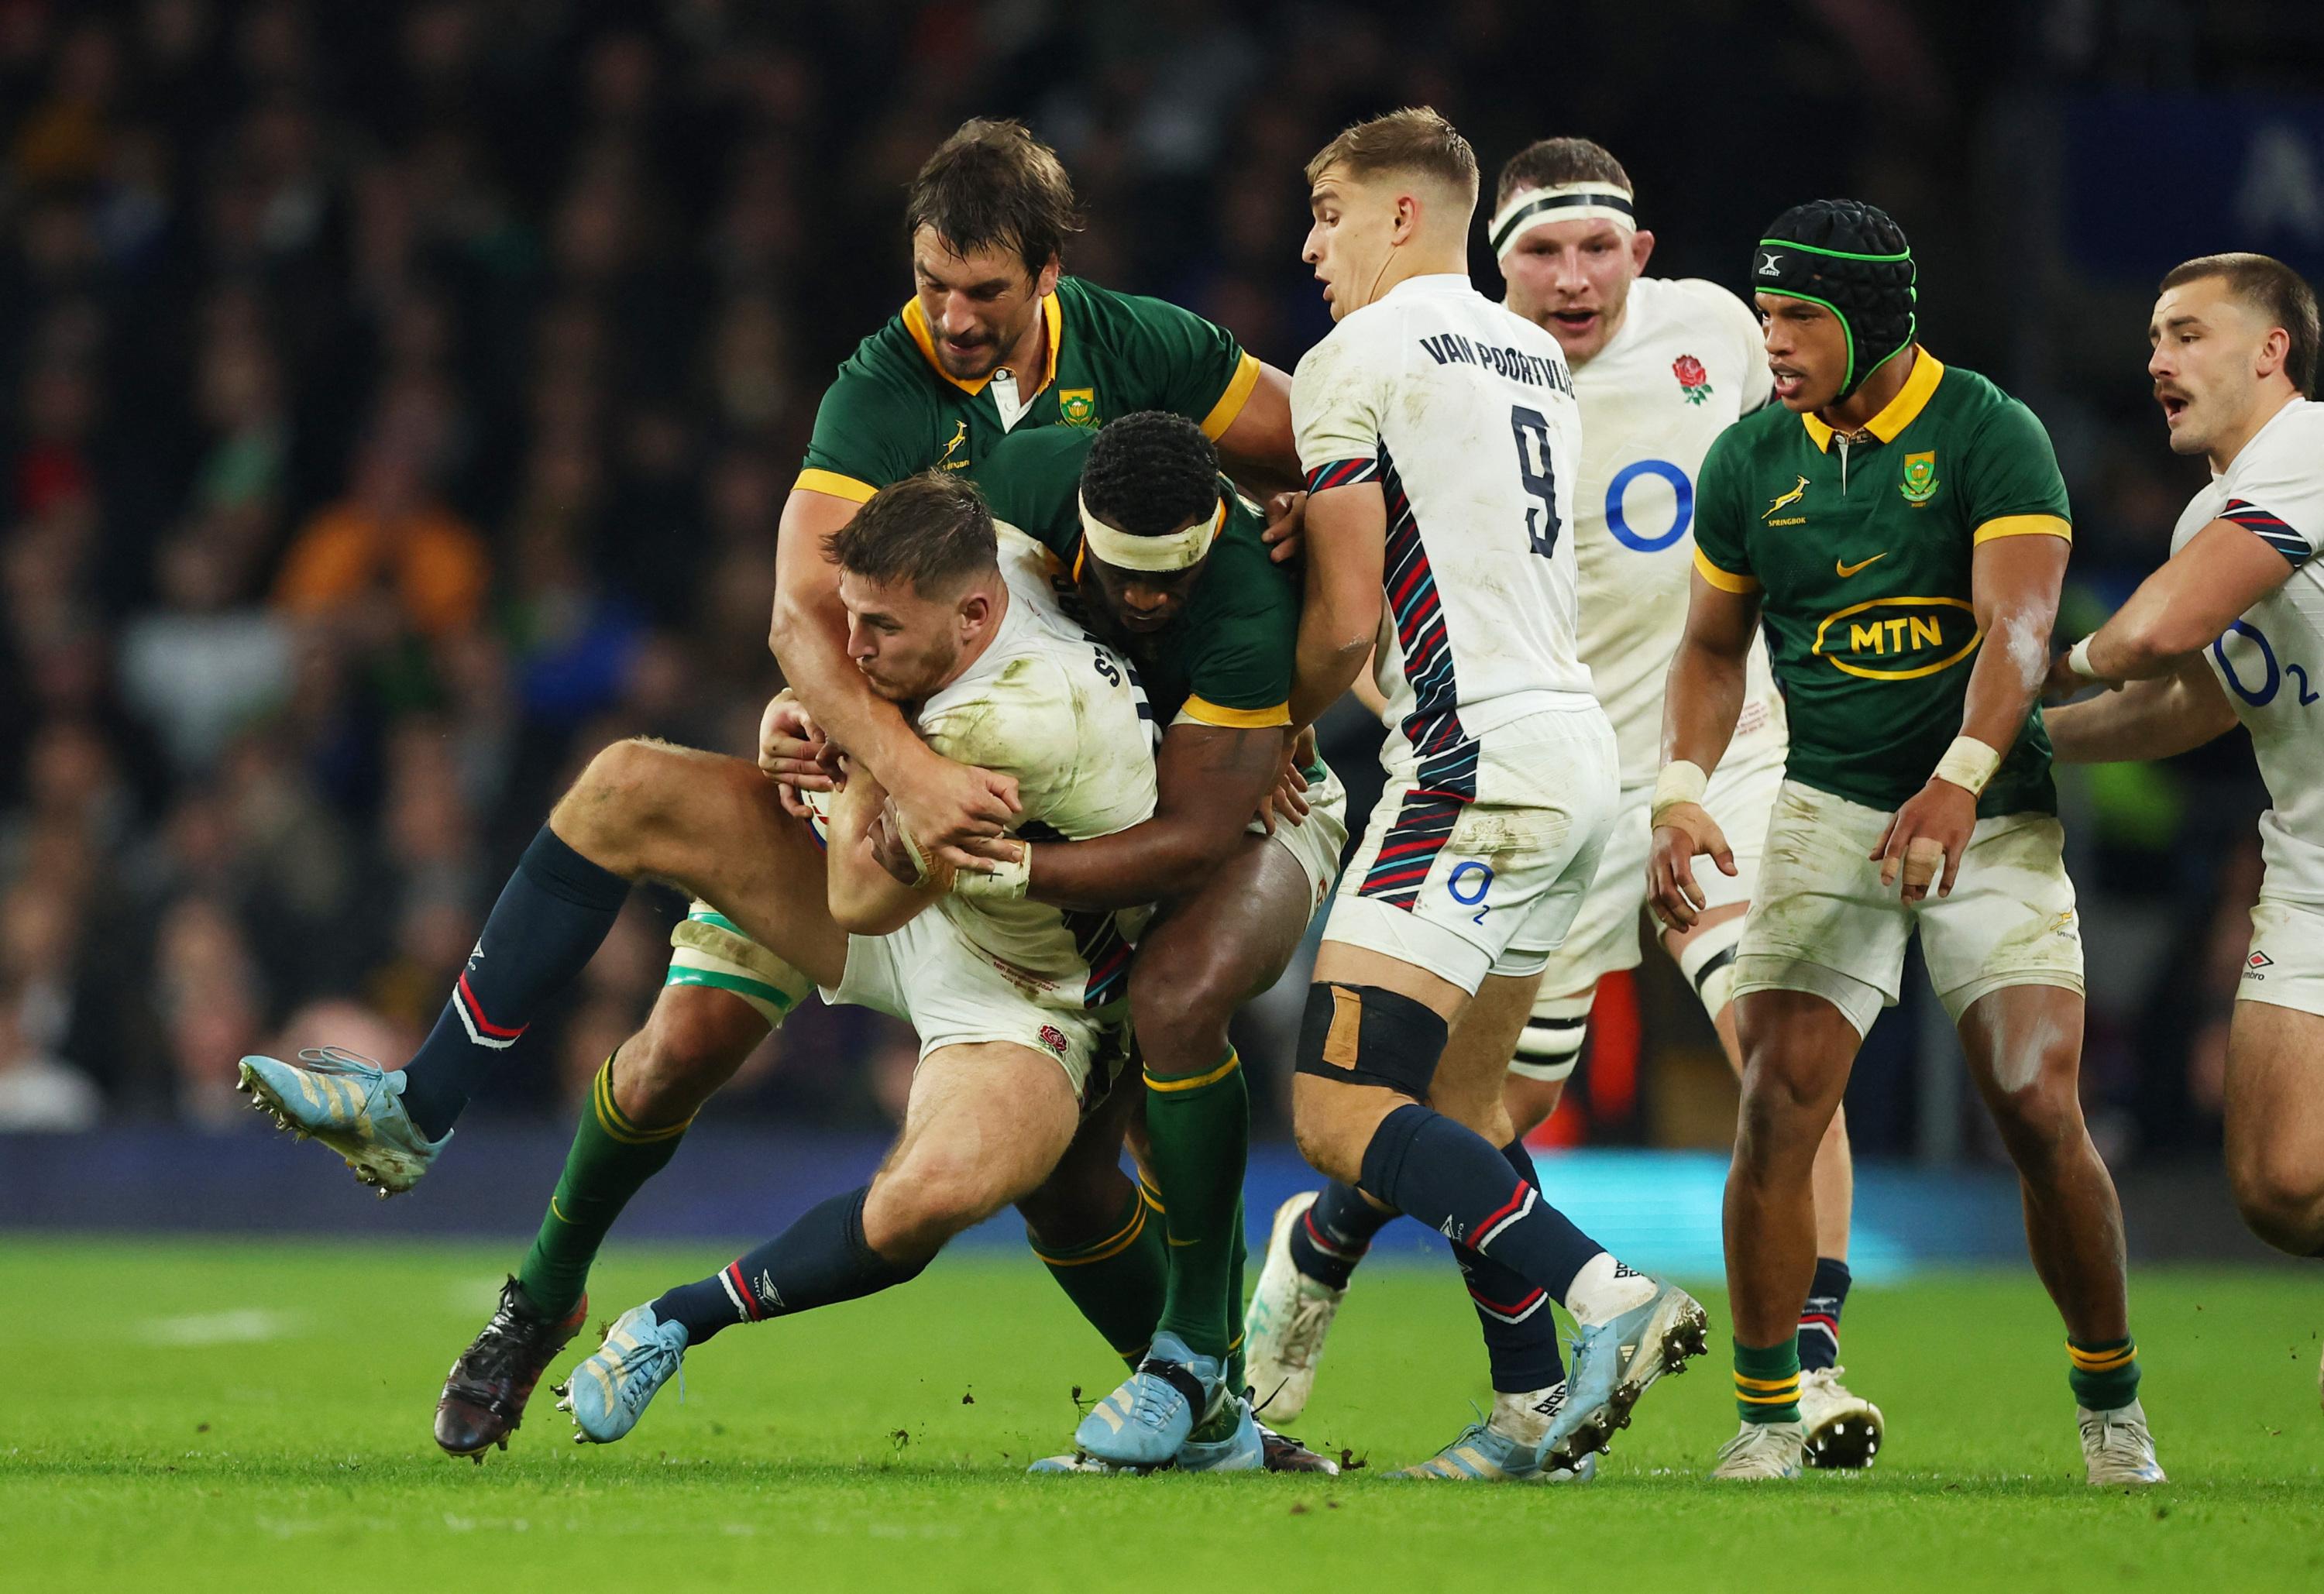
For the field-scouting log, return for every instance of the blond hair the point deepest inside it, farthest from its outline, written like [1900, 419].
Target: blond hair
[1413, 139]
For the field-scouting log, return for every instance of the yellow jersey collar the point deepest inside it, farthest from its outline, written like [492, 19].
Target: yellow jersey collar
[1899, 412]
[916, 322]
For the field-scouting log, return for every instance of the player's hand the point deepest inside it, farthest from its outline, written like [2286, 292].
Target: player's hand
[1925, 839]
[794, 752]
[2064, 683]
[978, 854]
[945, 804]
[1288, 799]
[1685, 832]
[1286, 526]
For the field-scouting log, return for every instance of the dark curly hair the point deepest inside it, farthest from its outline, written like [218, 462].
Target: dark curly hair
[1151, 473]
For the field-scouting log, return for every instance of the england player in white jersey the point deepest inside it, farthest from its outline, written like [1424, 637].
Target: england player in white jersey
[2231, 629]
[1660, 367]
[1440, 440]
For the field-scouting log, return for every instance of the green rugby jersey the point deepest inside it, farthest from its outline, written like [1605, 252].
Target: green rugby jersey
[1860, 548]
[1227, 660]
[891, 411]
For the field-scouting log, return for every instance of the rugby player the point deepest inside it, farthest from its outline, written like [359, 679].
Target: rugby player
[1501, 768]
[1660, 368]
[1167, 564]
[995, 341]
[1901, 529]
[2231, 629]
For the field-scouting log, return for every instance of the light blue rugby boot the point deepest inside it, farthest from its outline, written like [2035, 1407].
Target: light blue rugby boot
[1148, 1419]
[608, 1391]
[1480, 1454]
[1240, 1446]
[352, 1105]
[1614, 1362]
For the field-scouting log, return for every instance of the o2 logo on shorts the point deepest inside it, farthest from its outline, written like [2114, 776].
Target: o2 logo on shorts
[1681, 506]
[1469, 884]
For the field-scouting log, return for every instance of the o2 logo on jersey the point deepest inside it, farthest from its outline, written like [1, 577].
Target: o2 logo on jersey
[1682, 505]
[2272, 682]
[1468, 883]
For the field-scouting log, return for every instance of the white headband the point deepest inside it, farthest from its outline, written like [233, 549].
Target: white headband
[1572, 201]
[1126, 550]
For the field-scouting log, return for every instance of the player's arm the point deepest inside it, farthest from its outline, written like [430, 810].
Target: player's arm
[1339, 620]
[1258, 447]
[1702, 697]
[2014, 584]
[2183, 607]
[942, 801]
[2156, 718]
[865, 895]
[1210, 780]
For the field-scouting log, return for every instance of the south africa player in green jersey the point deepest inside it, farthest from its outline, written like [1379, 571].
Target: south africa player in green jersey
[1166, 563]
[1901, 529]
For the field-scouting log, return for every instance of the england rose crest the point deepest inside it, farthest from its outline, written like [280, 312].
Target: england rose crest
[1693, 380]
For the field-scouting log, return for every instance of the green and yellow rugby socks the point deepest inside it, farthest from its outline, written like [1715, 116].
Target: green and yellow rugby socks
[1768, 1382]
[1117, 1282]
[610, 1161]
[1198, 1133]
[2104, 1372]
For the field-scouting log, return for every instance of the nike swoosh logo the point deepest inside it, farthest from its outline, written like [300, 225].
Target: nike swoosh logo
[1848, 570]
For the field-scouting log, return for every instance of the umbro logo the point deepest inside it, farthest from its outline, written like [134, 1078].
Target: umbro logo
[2254, 963]
[771, 1298]
[1770, 265]
[1452, 1230]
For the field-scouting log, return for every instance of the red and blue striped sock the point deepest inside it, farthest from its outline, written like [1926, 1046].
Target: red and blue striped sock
[818, 1261]
[1820, 1318]
[1332, 1235]
[548, 922]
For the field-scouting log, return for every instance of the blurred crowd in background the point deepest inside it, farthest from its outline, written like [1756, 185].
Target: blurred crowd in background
[397, 403]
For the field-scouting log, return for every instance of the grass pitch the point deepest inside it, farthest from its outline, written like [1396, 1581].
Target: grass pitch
[252, 1416]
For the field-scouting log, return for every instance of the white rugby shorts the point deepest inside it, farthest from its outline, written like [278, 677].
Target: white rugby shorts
[1476, 859]
[1822, 922]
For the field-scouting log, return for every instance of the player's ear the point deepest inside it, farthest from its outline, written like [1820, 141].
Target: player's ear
[2273, 350]
[1407, 218]
[1642, 249]
[1044, 281]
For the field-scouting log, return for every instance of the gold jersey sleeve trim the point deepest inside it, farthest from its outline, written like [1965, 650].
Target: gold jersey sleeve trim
[1230, 402]
[1724, 580]
[821, 481]
[1204, 712]
[2023, 525]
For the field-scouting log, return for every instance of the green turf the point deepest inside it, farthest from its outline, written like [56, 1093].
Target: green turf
[881, 1445]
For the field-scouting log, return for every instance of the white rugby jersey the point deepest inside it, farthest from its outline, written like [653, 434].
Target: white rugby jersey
[1686, 362]
[2272, 661]
[1062, 713]
[1464, 413]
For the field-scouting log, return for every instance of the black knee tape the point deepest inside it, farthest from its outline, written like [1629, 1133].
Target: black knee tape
[1368, 1035]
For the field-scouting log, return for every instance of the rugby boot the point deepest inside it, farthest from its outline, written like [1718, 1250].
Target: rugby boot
[1286, 1454]
[1289, 1314]
[352, 1105]
[483, 1398]
[2117, 1448]
[1229, 1442]
[1762, 1452]
[1146, 1421]
[1843, 1429]
[1615, 1363]
[609, 1391]
[1480, 1454]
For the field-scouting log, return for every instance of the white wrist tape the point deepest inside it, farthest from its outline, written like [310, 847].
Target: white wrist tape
[2078, 659]
[1680, 782]
[1006, 882]
[911, 847]
[1968, 763]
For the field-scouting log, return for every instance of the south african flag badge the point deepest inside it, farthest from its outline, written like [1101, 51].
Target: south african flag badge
[1077, 405]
